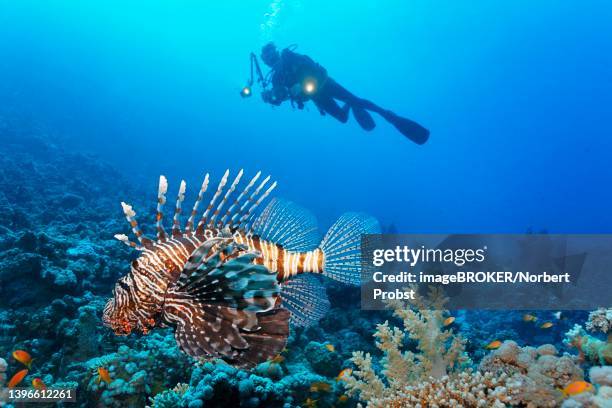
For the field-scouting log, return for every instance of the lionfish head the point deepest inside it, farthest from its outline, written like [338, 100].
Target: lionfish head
[120, 311]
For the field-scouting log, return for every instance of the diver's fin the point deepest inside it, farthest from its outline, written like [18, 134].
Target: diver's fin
[342, 246]
[364, 118]
[412, 130]
[214, 330]
[287, 224]
[221, 271]
[304, 296]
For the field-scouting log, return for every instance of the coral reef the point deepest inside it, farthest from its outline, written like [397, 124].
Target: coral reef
[441, 353]
[535, 374]
[58, 262]
[3, 367]
[601, 397]
[590, 347]
[218, 384]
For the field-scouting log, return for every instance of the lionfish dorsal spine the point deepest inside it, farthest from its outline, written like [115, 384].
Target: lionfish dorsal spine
[161, 200]
[238, 200]
[246, 217]
[130, 216]
[202, 223]
[176, 221]
[124, 238]
[225, 197]
[194, 211]
[237, 217]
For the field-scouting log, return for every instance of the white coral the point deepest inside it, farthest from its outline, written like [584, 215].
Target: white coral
[600, 320]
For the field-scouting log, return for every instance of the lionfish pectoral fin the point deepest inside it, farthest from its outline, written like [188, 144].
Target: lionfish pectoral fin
[239, 337]
[305, 297]
[221, 271]
[287, 224]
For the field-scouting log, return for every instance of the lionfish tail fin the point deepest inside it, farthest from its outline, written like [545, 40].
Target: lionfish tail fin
[305, 297]
[341, 247]
[287, 224]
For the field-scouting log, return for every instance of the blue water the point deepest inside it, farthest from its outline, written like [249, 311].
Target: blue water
[517, 95]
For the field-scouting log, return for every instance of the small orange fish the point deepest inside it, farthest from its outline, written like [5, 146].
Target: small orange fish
[577, 387]
[493, 345]
[330, 347]
[277, 359]
[23, 357]
[529, 318]
[310, 403]
[343, 398]
[104, 375]
[448, 321]
[38, 384]
[344, 374]
[17, 378]
[546, 325]
[320, 386]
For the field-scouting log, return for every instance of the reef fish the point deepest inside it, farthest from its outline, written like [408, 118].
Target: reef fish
[23, 357]
[320, 386]
[495, 344]
[38, 384]
[17, 378]
[577, 387]
[104, 375]
[330, 347]
[546, 325]
[448, 321]
[344, 374]
[230, 283]
[529, 318]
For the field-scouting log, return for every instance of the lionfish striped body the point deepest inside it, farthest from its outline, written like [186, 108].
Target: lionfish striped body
[230, 284]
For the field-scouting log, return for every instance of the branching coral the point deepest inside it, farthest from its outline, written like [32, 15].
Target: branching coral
[440, 351]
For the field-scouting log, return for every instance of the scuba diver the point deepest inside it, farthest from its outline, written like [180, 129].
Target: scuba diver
[297, 78]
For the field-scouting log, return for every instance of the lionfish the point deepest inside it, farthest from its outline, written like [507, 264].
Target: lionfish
[231, 284]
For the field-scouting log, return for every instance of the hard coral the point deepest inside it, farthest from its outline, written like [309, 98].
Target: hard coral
[534, 375]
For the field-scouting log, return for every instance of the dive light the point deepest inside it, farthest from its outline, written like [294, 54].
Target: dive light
[246, 92]
[309, 86]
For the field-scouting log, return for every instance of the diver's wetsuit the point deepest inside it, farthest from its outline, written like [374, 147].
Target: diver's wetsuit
[292, 69]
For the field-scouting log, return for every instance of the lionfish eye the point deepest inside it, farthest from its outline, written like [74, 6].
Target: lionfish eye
[135, 263]
[123, 284]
